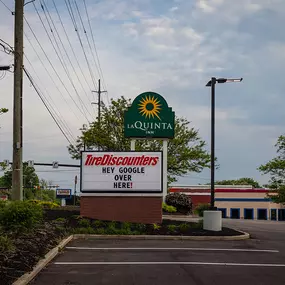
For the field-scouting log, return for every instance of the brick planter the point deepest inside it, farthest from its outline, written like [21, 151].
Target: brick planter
[123, 208]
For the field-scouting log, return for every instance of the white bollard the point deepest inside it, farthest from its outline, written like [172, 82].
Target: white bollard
[212, 220]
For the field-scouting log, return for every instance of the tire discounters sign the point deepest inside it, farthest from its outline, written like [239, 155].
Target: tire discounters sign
[121, 172]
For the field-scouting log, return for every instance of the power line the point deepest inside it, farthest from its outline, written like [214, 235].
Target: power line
[31, 44]
[44, 7]
[62, 120]
[7, 7]
[92, 36]
[54, 68]
[38, 92]
[71, 45]
[71, 14]
[62, 62]
[87, 38]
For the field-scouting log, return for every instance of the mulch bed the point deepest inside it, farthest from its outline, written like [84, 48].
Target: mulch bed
[32, 246]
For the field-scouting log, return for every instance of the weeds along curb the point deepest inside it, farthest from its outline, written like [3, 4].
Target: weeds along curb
[28, 277]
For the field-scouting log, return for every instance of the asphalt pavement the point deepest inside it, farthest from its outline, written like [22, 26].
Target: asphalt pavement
[260, 260]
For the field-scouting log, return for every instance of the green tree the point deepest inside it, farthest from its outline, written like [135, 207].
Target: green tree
[3, 110]
[276, 169]
[186, 152]
[276, 166]
[240, 181]
[30, 178]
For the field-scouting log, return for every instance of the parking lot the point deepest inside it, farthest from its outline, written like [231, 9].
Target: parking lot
[146, 262]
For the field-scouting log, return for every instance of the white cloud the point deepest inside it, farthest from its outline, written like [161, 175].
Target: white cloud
[142, 48]
[173, 9]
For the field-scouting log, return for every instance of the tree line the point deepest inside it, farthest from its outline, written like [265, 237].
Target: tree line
[186, 152]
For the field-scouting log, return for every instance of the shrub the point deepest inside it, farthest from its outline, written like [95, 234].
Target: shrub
[49, 205]
[84, 223]
[112, 224]
[21, 215]
[98, 224]
[2, 204]
[87, 230]
[168, 208]
[201, 208]
[6, 244]
[126, 231]
[171, 228]
[126, 226]
[156, 226]
[139, 227]
[44, 204]
[180, 201]
[184, 227]
[198, 225]
[61, 220]
[99, 231]
[111, 230]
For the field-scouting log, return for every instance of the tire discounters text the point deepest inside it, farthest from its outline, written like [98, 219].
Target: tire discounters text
[121, 172]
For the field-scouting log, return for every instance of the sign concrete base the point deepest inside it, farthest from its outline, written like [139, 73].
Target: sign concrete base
[133, 209]
[212, 220]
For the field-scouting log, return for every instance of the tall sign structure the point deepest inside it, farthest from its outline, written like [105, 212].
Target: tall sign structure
[129, 186]
[150, 117]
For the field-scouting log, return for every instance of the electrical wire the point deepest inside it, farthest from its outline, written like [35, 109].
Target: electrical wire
[54, 68]
[62, 63]
[7, 7]
[59, 115]
[69, 60]
[37, 90]
[43, 101]
[95, 49]
[73, 52]
[41, 61]
[87, 38]
[71, 14]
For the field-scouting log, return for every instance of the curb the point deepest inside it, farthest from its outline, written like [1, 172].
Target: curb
[244, 236]
[26, 278]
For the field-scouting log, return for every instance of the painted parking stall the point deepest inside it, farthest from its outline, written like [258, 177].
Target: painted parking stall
[143, 262]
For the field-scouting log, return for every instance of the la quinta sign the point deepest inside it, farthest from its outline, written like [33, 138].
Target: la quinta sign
[149, 117]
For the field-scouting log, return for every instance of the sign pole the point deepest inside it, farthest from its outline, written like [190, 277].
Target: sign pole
[75, 183]
[63, 202]
[164, 169]
[133, 145]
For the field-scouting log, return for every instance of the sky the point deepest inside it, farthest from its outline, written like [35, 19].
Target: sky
[169, 47]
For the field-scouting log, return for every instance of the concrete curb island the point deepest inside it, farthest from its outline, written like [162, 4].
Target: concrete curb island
[28, 277]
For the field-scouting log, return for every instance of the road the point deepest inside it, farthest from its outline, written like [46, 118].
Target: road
[260, 260]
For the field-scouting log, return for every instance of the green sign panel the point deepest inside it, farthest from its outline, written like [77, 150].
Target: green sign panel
[149, 117]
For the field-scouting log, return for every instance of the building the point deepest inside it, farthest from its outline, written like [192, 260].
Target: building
[236, 201]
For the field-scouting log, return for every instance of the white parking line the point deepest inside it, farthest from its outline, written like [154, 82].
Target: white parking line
[170, 263]
[174, 248]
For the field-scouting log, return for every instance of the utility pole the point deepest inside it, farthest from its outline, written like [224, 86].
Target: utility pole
[99, 92]
[17, 173]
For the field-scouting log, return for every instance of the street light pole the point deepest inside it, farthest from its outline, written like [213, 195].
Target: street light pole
[213, 83]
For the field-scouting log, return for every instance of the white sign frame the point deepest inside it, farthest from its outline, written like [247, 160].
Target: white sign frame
[119, 191]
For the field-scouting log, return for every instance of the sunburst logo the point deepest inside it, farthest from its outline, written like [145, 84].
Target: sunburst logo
[150, 107]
